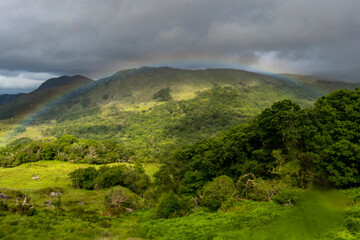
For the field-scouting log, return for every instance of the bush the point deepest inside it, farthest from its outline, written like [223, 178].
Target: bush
[67, 139]
[84, 177]
[109, 176]
[151, 196]
[137, 182]
[121, 200]
[187, 205]
[289, 196]
[169, 206]
[106, 177]
[217, 192]
[47, 152]
[266, 190]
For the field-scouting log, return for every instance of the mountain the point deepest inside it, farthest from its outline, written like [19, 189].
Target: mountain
[153, 109]
[137, 86]
[51, 90]
[64, 81]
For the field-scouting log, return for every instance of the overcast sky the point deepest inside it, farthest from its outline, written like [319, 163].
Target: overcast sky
[42, 39]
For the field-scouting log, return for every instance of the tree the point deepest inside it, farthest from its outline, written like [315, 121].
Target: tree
[84, 177]
[163, 95]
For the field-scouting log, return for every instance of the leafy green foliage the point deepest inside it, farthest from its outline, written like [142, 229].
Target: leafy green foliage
[66, 148]
[338, 118]
[286, 148]
[84, 177]
[120, 200]
[217, 192]
[163, 95]
[203, 103]
[290, 196]
[317, 145]
[169, 206]
[106, 177]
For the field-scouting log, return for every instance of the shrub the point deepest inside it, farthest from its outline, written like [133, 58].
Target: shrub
[217, 192]
[289, 196]
[47, 152]
[67, 139]
[137, 182]
[121, 175]
[106, 177]
[151, 196]
[84, 177]
[266, 190]
[169, 206]
[187, 205]
[109, 177]
[121, 200]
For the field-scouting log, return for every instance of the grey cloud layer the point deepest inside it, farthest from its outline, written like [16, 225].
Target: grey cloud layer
[95, 37]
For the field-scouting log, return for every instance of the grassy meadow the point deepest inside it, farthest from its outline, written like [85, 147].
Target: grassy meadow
[82, 214]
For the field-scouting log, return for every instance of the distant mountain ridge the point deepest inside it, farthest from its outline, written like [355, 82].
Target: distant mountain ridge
[64, 81]
[140, 85]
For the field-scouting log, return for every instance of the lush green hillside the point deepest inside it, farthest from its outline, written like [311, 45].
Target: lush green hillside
[257, 181]
[158, 108]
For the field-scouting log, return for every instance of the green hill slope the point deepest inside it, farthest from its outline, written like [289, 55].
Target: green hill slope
[153, 109]
[196, 104]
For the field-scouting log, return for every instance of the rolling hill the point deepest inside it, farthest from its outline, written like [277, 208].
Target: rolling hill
[153, 109]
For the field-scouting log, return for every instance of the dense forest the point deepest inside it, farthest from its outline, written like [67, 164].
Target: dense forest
[283, 167]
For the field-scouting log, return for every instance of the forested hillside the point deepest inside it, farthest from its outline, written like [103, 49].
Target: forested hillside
[286, 168]
[157, 109]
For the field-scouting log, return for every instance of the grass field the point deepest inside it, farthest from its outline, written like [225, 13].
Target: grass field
[82, 214]
[52, 173]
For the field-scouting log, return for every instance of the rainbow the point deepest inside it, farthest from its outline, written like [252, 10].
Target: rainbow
[43, 108]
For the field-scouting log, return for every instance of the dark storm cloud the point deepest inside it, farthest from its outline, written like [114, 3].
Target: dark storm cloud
[96, 38]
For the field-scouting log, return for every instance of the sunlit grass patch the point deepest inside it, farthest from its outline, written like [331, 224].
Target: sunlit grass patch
[51, 173]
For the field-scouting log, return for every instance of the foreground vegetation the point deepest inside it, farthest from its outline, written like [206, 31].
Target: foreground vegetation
[289, 173]
[83, 214]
